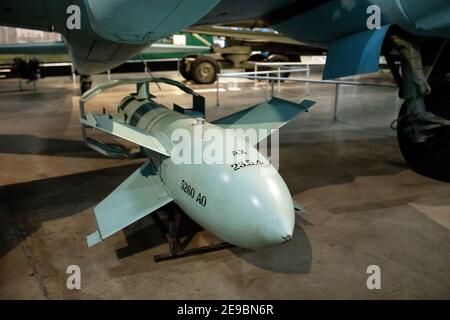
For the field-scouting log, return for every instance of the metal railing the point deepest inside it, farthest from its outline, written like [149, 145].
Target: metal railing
[255, 75]
[280, 65]
[282, 68]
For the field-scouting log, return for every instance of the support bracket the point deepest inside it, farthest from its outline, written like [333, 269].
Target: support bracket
[177, 247]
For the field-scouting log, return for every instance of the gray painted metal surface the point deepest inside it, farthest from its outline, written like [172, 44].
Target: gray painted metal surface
[244, 202]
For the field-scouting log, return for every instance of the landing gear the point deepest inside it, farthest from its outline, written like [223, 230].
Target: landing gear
[430, 157]
[85, 83]
[257, 57]
[276, 57]
[201, 69]
[185, 67]
[204, 70]
[423, 125]
[279, 58]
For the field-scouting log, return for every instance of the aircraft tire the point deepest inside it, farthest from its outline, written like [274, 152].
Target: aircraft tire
[279, 58]
[204, 70]
[85, 83]
[430, 158]
[184, 68]
[257, 57]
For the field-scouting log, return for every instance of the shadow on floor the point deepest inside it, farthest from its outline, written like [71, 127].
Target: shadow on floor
[18, 91]
[336, 158]
[28, 144]
[146, 234]
[25, 206]
[293, 257]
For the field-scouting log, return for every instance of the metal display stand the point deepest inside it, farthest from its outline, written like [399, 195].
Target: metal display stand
[177, 247]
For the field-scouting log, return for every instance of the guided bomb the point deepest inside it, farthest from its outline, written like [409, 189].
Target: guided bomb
[243, 201]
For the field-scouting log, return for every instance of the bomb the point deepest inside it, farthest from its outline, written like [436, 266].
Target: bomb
[231, 189]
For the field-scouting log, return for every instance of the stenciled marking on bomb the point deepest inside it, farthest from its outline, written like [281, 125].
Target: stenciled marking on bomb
[190, 191]
[247, 163]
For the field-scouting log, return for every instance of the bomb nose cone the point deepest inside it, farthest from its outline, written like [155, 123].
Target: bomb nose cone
[266, 213]
[282, 232]
[287, 238]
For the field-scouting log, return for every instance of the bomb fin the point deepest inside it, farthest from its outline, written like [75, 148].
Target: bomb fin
[266, 117]
[139, 195]
[299, 207]
[106, 124]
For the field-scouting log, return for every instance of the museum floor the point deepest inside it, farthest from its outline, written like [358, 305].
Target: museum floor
[365, 206]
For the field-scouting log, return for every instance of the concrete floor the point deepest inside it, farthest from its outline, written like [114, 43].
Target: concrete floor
[366, 207]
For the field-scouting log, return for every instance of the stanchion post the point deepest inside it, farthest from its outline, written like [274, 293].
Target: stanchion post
[279, 81]
[74, 76]
[336, 102]
[217, 92]
[308, 75]
[272, 91]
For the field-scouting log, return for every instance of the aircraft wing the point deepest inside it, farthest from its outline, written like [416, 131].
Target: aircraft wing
[266, 117]
[29, 14]
[141, 194]
[47, 51]
[107, 124]
[243, 35]
[112, 32]
[34, 48]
